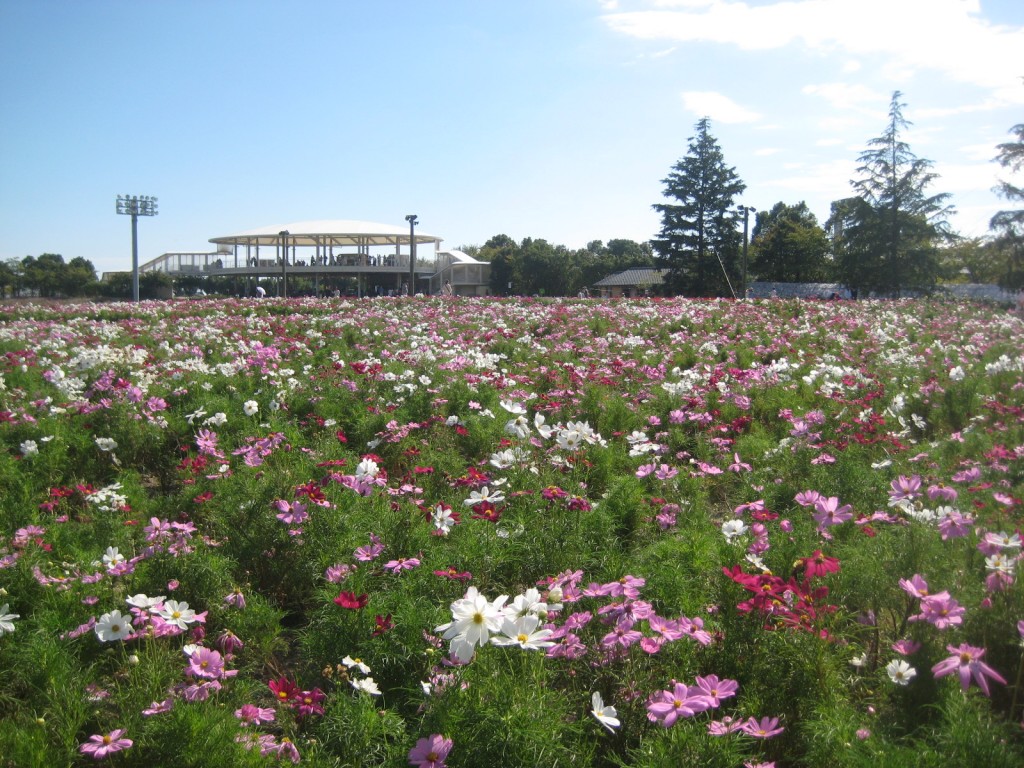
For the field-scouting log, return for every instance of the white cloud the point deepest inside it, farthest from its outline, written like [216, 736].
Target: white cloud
[766, 151]
[983, 151]
[948, 36]
[965, 177]
[718, 107]
[846, 96]
[822, 181]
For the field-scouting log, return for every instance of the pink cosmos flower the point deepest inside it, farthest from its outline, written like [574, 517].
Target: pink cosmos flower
[430, 752]
[291, 513]
[966, 661]
[694, 629]
[764, 728]
[906, 647]
[724, 726]
[623, 635]
[941, 611]
[807, 498]
[665, 707]
[207, 663]
[370, 551]
[827, 512]
[157, 707]
[338, 572]
[955, 525]
[101, 745]
[250, 714]
[737, 465]
[915, 587]
[716, 689]
[401, 564]
[905, 488]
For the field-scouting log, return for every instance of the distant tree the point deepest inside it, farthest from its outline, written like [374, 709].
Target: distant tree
[1008, 245]
[789, 246]
[1011, 156]
[9, 275]
[78, 278]
[470, 250]
[152, 285]
[969, 260]
[699, 241]
[503, 254]
[630, 253]
[45, 275]
[888, 238]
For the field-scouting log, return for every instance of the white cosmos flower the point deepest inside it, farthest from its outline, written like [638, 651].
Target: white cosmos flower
[474, 618]
[106, 443]
[518, 427]
[177, 613]
[543, 429]
[606, 715]
[524, 633]
[900, 672]
[527, 603]
[29, 448]
[144, 601]
[112, 557]
[250, 408]
[7, 619]
[733, 528]
[367, 468]
[442, 519]
[351, 663]
[502, 459]
[516, 409]
[484, 494]
[113, 626]
[366, 685]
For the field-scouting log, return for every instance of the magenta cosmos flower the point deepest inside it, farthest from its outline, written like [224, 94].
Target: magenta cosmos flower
[101, 745]
[966, 660]
[430, 752]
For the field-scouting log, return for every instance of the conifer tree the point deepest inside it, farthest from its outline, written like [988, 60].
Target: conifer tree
[891, 231]
[700, 241]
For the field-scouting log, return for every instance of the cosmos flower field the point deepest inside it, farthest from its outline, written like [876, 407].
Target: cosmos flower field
[476, 532]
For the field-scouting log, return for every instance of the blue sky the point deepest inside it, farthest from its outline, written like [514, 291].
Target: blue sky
[554, 119]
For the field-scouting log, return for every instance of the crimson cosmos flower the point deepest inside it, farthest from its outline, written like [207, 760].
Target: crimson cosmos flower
[351, 600]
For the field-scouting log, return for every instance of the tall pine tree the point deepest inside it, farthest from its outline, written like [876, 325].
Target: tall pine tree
[700, 241]
[1011, 157]
[890, 232]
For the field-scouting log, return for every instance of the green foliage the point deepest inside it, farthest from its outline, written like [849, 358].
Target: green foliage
[699, 241]
[788, 246]
[887, 235]
[682, 416]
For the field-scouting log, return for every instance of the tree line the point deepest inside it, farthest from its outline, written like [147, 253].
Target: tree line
[890, 237]
[48, 276]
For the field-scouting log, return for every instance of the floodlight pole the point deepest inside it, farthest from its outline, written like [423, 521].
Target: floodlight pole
[745, 210]
[411, 218]
[283, 234]
[135, 206]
